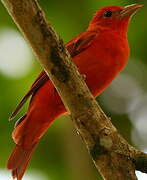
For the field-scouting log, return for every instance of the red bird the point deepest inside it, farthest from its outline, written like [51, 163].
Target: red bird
[100, 53]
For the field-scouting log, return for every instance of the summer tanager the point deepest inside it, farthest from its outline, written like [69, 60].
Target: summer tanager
[100, 53]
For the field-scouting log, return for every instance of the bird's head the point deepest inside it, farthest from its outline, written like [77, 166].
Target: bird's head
[113, 17]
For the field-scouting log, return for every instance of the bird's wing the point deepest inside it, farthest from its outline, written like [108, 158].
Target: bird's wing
[81, 42]
[74, 47]
[41, 79]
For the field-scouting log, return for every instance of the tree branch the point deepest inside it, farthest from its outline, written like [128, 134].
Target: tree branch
[112, 155]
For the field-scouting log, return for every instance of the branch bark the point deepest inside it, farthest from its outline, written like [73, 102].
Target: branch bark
[112, 155]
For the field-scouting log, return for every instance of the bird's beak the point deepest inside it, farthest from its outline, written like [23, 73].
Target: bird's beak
[130, 10]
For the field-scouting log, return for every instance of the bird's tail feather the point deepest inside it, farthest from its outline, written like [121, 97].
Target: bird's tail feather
[19, 160]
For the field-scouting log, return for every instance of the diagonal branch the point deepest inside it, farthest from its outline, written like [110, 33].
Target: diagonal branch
[112, 155]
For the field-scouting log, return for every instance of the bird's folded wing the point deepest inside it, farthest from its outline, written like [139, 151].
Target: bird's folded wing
[42, 78]
[74, 47]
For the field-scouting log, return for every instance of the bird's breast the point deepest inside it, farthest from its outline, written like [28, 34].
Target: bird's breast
[103, 60]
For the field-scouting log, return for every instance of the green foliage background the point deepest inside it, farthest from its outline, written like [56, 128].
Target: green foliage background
[61, 153]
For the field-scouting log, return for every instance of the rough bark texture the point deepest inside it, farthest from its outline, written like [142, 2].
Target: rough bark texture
[112, 155]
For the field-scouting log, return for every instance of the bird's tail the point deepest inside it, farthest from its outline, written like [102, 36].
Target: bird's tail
[19, 160]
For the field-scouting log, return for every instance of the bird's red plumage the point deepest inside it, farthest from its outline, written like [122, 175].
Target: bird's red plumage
[100, 53]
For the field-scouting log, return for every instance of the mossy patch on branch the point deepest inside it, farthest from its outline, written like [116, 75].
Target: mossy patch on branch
[97, 150]
[59, 70]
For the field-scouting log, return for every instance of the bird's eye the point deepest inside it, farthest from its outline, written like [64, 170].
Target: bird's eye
[108, 14]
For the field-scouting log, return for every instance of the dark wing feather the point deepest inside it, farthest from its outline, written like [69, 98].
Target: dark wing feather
[81, 42]
[75, 46]
[42, 78]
